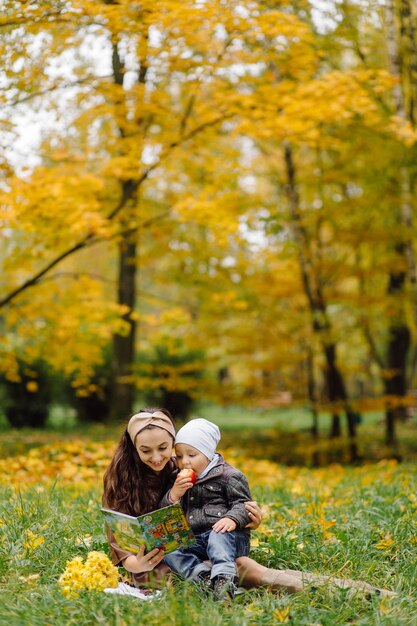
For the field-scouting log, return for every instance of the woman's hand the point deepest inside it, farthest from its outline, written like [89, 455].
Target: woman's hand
[254, 513]
[181, 485]
[141, 562]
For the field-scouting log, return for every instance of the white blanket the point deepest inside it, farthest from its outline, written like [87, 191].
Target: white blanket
[127, 590]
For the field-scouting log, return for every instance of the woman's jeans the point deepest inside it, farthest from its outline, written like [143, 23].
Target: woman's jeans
[221, 549]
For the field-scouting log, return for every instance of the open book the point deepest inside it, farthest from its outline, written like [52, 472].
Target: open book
[165, 527]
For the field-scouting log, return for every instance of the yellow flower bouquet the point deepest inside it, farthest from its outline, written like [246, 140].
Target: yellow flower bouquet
[97, 573]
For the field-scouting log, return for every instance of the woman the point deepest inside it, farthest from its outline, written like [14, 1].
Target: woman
[140, 473]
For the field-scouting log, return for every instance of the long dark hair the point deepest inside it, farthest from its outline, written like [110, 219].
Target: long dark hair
[130, 486]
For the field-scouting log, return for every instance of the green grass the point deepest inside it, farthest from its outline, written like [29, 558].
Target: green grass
[236, 417]
[282, 435]
[367, 506]
[363, 510]
[231, 418]
[286, 419]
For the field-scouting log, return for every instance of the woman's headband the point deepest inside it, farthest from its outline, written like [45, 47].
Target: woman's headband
[139, 421]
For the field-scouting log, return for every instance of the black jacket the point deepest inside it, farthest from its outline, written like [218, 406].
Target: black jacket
[221, 493]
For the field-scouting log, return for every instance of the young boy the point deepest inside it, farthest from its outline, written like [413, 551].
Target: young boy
[214, 507]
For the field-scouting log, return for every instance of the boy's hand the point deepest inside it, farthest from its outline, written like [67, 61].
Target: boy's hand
[224, 525]
[181, 485]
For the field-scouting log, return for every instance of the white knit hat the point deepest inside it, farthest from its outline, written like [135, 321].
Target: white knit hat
[200, 434]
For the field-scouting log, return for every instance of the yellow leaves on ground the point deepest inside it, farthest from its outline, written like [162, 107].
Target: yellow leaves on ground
[97, 573]
[316, 497]
[32, 541]
[77, 463]
[386, 606]
[385, 543]
[81, 463]
[281, 615]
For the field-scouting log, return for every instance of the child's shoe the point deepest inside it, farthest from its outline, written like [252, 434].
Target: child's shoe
[202, 582]
[224, 587]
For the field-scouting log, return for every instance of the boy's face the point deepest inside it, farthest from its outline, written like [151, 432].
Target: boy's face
[190, 457]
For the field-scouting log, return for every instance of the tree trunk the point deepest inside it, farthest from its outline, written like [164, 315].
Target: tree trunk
[402, 50]
[312, 392]
[407, 17]
[123, 392]
[336, 429]
[321, 324]
[312, 396]
[395, 377]
[124, 345]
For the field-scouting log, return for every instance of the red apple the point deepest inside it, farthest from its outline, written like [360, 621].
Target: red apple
[188, 473]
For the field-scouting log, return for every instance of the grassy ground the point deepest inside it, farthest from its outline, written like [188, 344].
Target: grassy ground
[282, 435]
[292, 418]
[228, 417]
[356, 522]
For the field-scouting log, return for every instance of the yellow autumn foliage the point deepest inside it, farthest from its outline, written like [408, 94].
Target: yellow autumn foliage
[170, 136]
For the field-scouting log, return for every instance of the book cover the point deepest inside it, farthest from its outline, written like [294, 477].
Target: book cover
[165, 527]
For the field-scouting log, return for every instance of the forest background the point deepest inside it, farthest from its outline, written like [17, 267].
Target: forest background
[211, 202]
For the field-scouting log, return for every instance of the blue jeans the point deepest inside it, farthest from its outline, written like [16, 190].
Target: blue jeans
[220, 548]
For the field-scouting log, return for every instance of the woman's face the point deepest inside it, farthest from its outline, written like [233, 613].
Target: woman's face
[155, 447]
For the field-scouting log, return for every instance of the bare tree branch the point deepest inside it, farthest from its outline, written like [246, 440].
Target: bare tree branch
[46, 17]
[36, 277]
[54, 88]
